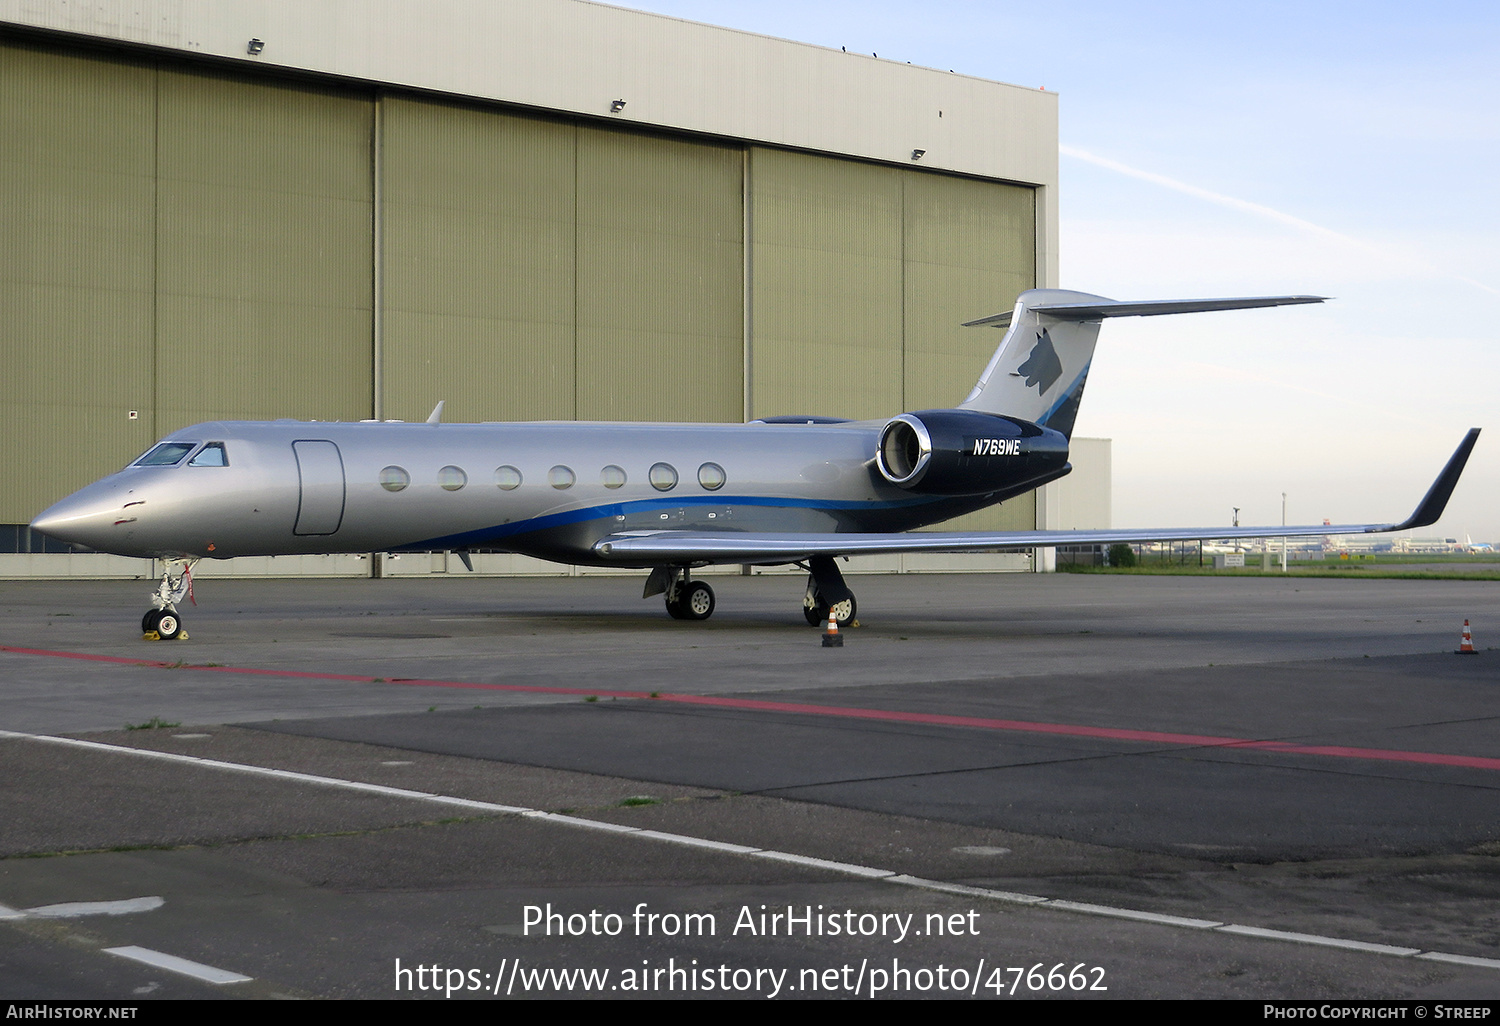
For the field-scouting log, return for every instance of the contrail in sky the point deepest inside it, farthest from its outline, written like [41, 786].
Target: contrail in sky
[1250, 208]
[1204, 194]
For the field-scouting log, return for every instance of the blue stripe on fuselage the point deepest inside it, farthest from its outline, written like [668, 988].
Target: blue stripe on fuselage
[577, 516]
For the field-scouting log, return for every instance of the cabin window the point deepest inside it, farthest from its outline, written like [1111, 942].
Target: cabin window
[451, 478]
[612, 476]
[393, 479]
[166, 454]
[663, 477]
[561, 477]
[711, 476]
[507, 478]
[211, 455]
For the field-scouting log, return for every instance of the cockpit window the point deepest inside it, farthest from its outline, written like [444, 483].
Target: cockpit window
[165, 455]
[211, 455]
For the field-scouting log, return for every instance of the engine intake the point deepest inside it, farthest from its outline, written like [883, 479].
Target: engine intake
[966, 452]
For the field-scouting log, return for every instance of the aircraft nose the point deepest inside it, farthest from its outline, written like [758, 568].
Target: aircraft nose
[88, 517]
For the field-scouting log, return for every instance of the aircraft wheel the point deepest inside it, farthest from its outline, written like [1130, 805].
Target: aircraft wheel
[675, 607]
[147, 623]
[817, 614]
[168, 625]
[697, 600]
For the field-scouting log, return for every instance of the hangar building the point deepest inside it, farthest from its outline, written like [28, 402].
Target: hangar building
[532, 209]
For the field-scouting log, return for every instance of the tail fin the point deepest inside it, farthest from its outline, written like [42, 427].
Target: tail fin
[1039, 370]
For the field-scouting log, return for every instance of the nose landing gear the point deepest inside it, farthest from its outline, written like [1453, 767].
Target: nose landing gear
[162, 621]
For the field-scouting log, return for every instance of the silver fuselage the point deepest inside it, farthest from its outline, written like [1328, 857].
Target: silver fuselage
[315, 487]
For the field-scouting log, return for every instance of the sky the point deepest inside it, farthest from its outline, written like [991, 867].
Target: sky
[1349, 150]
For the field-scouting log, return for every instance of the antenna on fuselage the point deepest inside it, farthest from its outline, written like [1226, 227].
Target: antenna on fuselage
[436, 415]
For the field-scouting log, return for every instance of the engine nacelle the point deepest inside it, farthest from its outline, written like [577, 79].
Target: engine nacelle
[965, 452]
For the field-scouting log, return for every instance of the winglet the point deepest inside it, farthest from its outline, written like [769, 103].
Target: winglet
[1431, 507]
[436, 415]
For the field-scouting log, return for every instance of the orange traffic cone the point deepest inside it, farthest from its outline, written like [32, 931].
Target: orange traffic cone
[1466, 642]
[831, 636]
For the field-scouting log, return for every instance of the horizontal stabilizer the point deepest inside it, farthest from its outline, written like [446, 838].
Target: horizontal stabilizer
[1147, 308]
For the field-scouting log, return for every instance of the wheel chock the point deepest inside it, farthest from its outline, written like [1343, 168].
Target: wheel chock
[151, 636]
[183, 636]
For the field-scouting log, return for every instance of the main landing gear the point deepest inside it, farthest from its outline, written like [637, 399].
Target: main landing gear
[162, 620]
[690, 600]
[687, 599]
[826, 591]
[816, 610]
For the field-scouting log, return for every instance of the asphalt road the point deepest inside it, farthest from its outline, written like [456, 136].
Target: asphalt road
[1226, 756]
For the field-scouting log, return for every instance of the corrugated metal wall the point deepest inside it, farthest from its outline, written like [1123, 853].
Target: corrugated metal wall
[862, 277]
[77, 279]
[264, 292]
[826, 325]
[541, 270]
[477, 263]
[193, 245]
[969, 253]
[660, 271]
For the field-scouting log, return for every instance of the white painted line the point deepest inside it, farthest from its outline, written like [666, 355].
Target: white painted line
[304, 778]
[973, 892]
[1439, 956]
[868, 872]
[74, 909]
[1312, 938]
[575, 821]
[837, 867]
[699, 842]
[171, 963]
[1130, 913]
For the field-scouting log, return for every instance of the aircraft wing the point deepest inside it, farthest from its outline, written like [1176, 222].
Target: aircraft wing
[683, 547]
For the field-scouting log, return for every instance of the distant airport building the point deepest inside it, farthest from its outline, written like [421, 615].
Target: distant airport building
[532, 209]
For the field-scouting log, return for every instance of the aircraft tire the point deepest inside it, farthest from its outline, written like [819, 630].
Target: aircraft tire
[147, 624]
[697, 601]
[675, 609]
[817, 614]
[168, 625]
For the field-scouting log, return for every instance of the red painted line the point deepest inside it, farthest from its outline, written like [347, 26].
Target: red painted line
[309, 675]
[846, 712]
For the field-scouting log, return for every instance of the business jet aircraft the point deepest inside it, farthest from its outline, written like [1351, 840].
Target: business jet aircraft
[663, 497]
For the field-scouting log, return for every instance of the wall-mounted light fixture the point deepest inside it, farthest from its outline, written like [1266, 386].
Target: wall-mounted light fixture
[617, 106]
[255, 46]
[918, 154]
